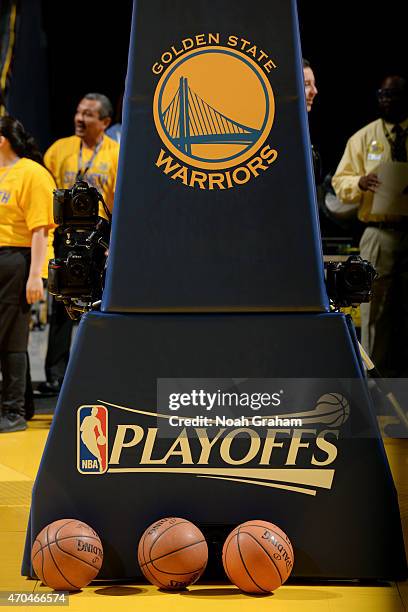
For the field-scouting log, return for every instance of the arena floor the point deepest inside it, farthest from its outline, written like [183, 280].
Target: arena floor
[20, 455]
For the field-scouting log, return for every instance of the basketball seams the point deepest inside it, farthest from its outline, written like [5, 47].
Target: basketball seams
[245, 567]
[264, 549]
[74, 556]
[154, 578]
[148, 570]
[275, 532]
[162, 533]
[174, 551]
[42, 567]
[52, 557]
[62, 526]
[176, 573]
[147, 563]
[67, 538]
[228, 542]
[41, 547]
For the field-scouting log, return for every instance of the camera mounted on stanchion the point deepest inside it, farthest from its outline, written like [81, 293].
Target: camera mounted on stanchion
[78, 206]
[349, 283]
[77, 277]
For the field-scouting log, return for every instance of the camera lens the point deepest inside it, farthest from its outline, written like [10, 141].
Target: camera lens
[82, 204]
[78, 270]
[355, 277]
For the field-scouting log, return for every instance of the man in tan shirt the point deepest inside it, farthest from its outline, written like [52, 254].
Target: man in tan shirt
[384, 321]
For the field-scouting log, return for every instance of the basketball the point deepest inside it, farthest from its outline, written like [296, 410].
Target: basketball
[172, 553]
[67, 554]
[101, 440]
[257, 557]
[333, 409]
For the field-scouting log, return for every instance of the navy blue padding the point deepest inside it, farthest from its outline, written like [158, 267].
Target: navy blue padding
[253, 247]
[118, 358]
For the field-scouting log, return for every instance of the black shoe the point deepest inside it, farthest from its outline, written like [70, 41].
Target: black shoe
[48, 388]
[12, 422]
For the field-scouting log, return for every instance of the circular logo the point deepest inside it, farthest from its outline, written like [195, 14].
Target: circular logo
[213, 108]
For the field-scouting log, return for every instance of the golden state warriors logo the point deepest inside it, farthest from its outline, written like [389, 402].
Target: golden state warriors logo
[213, 110]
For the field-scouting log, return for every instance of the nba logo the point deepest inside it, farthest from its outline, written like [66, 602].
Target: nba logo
[92, 445]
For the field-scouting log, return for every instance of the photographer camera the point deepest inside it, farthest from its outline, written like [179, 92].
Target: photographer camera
[76, 277]
[88, 153]
[349, 283]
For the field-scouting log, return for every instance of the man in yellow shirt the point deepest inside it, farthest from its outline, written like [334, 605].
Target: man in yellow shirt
[93, 156]
[384, 321]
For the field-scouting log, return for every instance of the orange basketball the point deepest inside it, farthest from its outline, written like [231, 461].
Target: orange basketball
[172, 553]
[67, 554]
[257, 557]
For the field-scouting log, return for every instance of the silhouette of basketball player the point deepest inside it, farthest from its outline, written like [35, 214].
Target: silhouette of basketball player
[88, 435]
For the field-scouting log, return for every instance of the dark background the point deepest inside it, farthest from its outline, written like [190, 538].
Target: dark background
[82, 47]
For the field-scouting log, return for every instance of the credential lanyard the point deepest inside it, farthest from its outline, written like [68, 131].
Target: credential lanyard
[83, 170]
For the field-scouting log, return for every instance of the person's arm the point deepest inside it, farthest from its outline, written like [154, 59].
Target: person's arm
[350, 178]
[34, 286]
[50, 160]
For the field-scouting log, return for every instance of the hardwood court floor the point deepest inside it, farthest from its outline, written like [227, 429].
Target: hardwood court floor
[20, 454]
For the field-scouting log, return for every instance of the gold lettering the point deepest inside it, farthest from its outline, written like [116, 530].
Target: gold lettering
[166, 57]
[198, 177]
[270, 444]
[229, 182]
[252, 51]
[245, 171]
[254, 164]
[157, 68]
[252, 451]
[167, 162]
[326, 446]
[232, 41]
[184, 449]
[146, 457]
[216, 179]
[262, 55]
[206, 444]
[187, 43]
[269, 65]
[200, 41]
[182, 174]
[296, 443]
[177, 52]
[214, 38]
[269, 154]
[119, 442]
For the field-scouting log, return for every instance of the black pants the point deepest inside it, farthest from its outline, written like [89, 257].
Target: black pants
[14, 372]
[14, 326]
[59, 342]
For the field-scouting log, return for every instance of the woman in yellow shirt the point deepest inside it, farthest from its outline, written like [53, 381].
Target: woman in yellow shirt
[26, 193]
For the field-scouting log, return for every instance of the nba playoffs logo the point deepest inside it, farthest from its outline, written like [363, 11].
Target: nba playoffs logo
[213, 110]
[92, 446]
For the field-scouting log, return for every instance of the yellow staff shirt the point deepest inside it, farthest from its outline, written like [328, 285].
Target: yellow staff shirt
[62, 159]
[365, 151]
[26, 195]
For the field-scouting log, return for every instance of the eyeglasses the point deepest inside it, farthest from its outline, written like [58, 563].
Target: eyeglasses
[390, 94]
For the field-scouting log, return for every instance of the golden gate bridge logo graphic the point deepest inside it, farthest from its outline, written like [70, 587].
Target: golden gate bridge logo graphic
[213, 107]
[188, 119]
